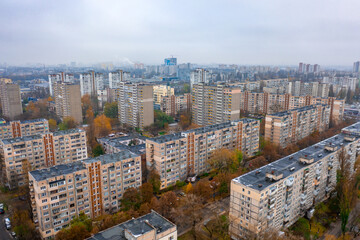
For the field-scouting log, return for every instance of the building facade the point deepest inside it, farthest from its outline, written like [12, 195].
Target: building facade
[115, 78]
[10, 98]
[284, 128]
[93, 186]
[267, 103]
[160, 91]
[136, 104]
[176, 156]
[22, 154]
[215, 104]
[172, 105]
[199, 75]
[14, 129]
[68, 101]
[90, 82]
[59, 77]
[276, 195]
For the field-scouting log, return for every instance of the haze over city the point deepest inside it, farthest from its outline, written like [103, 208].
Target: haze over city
[233, 32]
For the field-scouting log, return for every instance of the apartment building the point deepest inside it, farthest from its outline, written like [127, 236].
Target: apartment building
[10, 98]
[267, 103]
[276, 195]
[215, 104]
[59, 77]
[115, 78]
[314, 89]
[284, 128]
[14, 129]
[199, 75]
[172, 105]
[68, 101]
[93, 186]
[90, 82]
[348, 82]
[176, 156]
[150, 226]
[23, 154]
[160, 91]
[133, 142]
[136, 104]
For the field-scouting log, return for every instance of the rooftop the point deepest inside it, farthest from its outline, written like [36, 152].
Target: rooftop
[64, 169]
[300, 109]
[24, 121]
[121, 143]
[137, 227]
[69, 131]
[215, 127]
[257, 179]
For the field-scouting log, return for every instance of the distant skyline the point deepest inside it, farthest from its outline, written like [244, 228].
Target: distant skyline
[276, 32]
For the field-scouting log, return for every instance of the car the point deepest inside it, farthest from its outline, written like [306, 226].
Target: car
[2, 211]
[8, 226]
[7, 221]
[13, 234]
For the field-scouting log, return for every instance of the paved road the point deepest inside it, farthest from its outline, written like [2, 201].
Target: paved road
[4, 234]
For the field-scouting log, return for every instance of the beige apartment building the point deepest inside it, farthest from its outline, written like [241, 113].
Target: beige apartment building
[10, 98]
[93, 186]
[151, 226]
[59, 77]
[215, 104]
[172, 105]
[266, 103]
[278, 194]
[177, 156]
[14, 129]
[160, 91]
[284, 128]
[68, 100]
[136, 104]
[23, 154]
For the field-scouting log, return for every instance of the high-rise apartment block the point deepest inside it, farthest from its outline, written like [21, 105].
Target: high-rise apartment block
[215, 104]
[346, 82]
[278, 194]
[10, 98]
[172, 105]
[356, 67]
[68, 100]
[308, 68]
[136, 104]
[160, 91]
[150, 226]
[176, 156]
[199, 75]
[93, 186]
[284, 128]
[59, 77]
[14, 129]
[314, 89]
[254, 102]
[91, 82]
[115, 78]
[22, 154]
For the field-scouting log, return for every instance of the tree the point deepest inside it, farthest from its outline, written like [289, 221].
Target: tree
[185, 120]
[186, 88]
[167, 203]
[102, 125]
[23, 225]
[257, 162]
[67, 123]
[80, 228]
[154, 180]
[98, 150]
[346, 183]
[203, 189]
[52, 125]
[131, 199]
[222, 160]
[111, 110]
[146, 191]
[189, 188]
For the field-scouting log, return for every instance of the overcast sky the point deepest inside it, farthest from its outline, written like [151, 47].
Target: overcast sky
[271, 32]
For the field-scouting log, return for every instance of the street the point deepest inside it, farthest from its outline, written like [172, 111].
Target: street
[4, 234]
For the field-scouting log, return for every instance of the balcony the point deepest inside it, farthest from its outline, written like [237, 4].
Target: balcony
[316, 192]
[318, 171]
[302, 202]
[289, 182]
[303, 196]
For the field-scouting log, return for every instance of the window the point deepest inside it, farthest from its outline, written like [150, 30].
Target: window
[44, 200]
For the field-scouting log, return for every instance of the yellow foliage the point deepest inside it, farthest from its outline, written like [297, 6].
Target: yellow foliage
[102, 125]
[189, 188]
[52, 124]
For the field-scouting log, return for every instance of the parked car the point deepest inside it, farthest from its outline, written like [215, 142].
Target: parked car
[13, 234]
[2, 211]
[7, 223]
[191, 178]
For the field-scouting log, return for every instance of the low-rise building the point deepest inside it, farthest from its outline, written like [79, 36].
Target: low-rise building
[284, 128]
[276, 195]
[151, 226]
[22, 154]
[24, 128]
[93, 186]
[176, 156]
